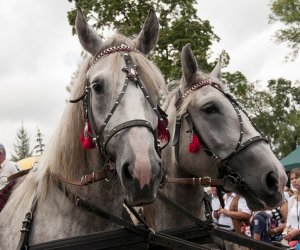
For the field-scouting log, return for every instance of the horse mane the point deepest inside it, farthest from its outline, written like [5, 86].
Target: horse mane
[64, 154]
[171, 95]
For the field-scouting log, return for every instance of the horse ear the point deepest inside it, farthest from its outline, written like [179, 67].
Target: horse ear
[89, 38]
[216, 72]
[189, 65]
[147, 38]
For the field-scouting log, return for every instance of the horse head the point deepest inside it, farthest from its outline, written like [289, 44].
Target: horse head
[121, 98]
[225, 138]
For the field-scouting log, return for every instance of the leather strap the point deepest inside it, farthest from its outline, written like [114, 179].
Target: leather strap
[98, 175]
[126, 125]
[153, 237]
[18, 174]
[26, 226]
[184, 211]
[203, 181]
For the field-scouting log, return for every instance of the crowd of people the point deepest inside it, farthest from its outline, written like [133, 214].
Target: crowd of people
[281, 224]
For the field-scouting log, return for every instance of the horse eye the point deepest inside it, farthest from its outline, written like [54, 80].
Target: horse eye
[210, 109]
[97, 88]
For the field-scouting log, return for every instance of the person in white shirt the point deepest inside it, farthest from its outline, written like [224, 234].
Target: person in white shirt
[292, 230]
[215, 202]
[7, 167]
[234, 212]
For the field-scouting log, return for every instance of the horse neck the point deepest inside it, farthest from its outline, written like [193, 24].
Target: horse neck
[69, 220]
[189, 197]
[102, 193]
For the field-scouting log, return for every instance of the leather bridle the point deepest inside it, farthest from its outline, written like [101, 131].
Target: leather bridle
[97, 133]
[221, 163]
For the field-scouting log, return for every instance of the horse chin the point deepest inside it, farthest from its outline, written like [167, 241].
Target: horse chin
[255, 202]
[137, 201]
[137, 195]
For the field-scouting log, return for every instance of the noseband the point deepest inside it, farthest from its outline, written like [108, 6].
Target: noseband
[221, 163]
[132, 76]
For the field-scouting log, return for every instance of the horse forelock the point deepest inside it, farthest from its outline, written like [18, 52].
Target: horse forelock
[185, 103]
[199, 78]
[149, 72]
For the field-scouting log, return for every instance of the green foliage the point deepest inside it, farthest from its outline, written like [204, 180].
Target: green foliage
[39, 147]
[285, 114]
[276, 112]
[22, 149]
[287, 12]
[179, 25]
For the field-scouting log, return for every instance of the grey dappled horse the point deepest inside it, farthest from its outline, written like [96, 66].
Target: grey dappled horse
[229, 142]
[119, 88]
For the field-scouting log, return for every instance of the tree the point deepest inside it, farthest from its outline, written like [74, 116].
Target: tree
[275, 111]
[179, 25]
[22, 149]
[287, 12]
[39, 148]
[284, 116]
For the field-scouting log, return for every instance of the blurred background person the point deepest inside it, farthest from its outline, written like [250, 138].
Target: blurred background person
[292, 229]
[278, 221]
[260, 225]
[215, 202]
[7, 167]
[234, 214]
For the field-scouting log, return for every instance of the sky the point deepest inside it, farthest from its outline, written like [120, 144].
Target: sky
[38, 55]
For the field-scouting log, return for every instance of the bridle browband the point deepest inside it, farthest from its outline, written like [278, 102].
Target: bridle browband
[221, 163]
[132, 76]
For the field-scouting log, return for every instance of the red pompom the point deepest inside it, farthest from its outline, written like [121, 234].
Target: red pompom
[162, 128]
[87, 142]
[195, 145]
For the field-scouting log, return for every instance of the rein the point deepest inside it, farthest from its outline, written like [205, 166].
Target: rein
[107, 173]
[205, 181]
[152, 236]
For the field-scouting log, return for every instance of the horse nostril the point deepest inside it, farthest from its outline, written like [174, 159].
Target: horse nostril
[126, 171]
[271, 181]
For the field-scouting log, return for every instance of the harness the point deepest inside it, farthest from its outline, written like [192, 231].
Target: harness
[101, 142]
[97, 133]
[232, 177]
[132, 77]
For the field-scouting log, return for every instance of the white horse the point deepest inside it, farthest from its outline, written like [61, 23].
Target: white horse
[119, 89]
[213, 137]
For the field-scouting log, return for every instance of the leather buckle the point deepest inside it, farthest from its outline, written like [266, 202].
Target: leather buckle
[208, 179]
[230, 182]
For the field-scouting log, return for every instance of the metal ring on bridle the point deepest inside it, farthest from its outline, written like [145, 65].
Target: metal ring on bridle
[209, 181]
[230, 182]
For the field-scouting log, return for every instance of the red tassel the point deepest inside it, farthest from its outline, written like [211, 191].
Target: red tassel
[195, 144]
[86, 141]
[163, 134]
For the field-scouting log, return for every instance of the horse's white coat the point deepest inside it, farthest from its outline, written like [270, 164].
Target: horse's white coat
[220, 130]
